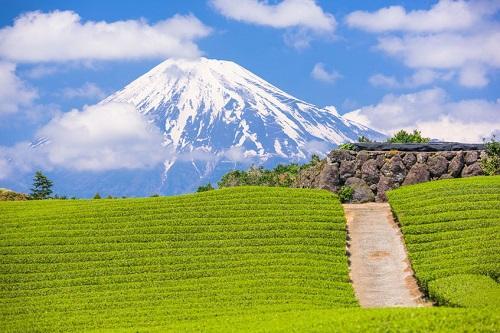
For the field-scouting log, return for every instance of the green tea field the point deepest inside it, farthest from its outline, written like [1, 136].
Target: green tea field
[452, 233]
[252, 259]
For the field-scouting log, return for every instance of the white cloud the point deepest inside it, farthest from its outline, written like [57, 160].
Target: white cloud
[286, 14]
[419, 78]
[434, 114]
[88, 90]
[14, 93]
[319, 72]
[446, 15]
[381, 80]
[444, 50]
[303, 19]
[460, 36]
[63, 36]
[102, 137]
[40, 71]
[473, 76]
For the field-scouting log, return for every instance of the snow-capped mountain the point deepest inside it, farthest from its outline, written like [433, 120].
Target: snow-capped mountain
[217, 115]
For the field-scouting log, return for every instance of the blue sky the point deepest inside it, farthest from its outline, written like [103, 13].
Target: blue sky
[431, 65]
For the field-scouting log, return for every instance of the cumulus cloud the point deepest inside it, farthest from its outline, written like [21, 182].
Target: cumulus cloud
[102, 137]
[286, 14]
[14, 92]
[319, 72]
[88, 90]
[446, 15]
[63, 36]
[304, 19]
[432, 112]
[421, 77]
[462, 36]
[99, 138]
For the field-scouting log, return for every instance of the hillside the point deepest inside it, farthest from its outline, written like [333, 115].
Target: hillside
[250, 259]
[141, 262]
[451, 228]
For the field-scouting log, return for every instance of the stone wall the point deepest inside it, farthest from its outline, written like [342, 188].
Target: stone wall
[372, 173]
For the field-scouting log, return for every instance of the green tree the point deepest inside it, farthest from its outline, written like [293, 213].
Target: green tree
[42, 187]
[97, 196]
[205, 188]
[364, 139]
[491, 163]
[405, 137]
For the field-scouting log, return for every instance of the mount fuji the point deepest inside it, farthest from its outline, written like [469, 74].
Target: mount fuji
[217, 116]
[209, 117]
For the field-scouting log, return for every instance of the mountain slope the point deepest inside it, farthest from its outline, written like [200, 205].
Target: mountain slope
[216, 115]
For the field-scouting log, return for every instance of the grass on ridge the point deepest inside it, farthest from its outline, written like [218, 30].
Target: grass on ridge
[452, 233]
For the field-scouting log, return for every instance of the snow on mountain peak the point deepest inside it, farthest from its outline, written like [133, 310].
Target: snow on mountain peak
[207, 106]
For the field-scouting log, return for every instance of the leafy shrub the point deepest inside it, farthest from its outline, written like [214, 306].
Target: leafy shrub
[404, 137]
[97, 196]
[283, 175]
[346, 193]
[491, 164]
[346, 146]
[204, 188]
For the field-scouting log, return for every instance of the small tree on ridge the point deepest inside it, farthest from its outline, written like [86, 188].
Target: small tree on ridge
[42, 187]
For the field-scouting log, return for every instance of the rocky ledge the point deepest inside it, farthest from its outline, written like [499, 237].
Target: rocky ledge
[372, 173]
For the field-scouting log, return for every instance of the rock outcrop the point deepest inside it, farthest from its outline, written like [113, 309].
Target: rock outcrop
[372, 173]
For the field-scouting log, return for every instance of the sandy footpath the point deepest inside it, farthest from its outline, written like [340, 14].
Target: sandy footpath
[380, 271]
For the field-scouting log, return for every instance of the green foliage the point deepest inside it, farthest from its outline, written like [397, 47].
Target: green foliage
[346, 146]
[283, 175]
[404, 137]
[451, 232]
[491, 164]
[364, 139]
[137, 264]
[345, 194]
[204, 188]
[42, 187]
[97, 196]
[466, 290]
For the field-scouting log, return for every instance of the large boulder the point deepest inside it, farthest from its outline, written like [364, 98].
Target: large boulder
[369, 172]
[329, 177]
[409, 159]
[472, 170]
[341, 155]
[438, 165]
[394, 169]
[347, 169]
[456, 165]
[471, 157]
[385, 184]
[422, 157]
[417, 174]
[362, 192]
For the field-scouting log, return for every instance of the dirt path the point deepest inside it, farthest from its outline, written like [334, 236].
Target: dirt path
[380, 271]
